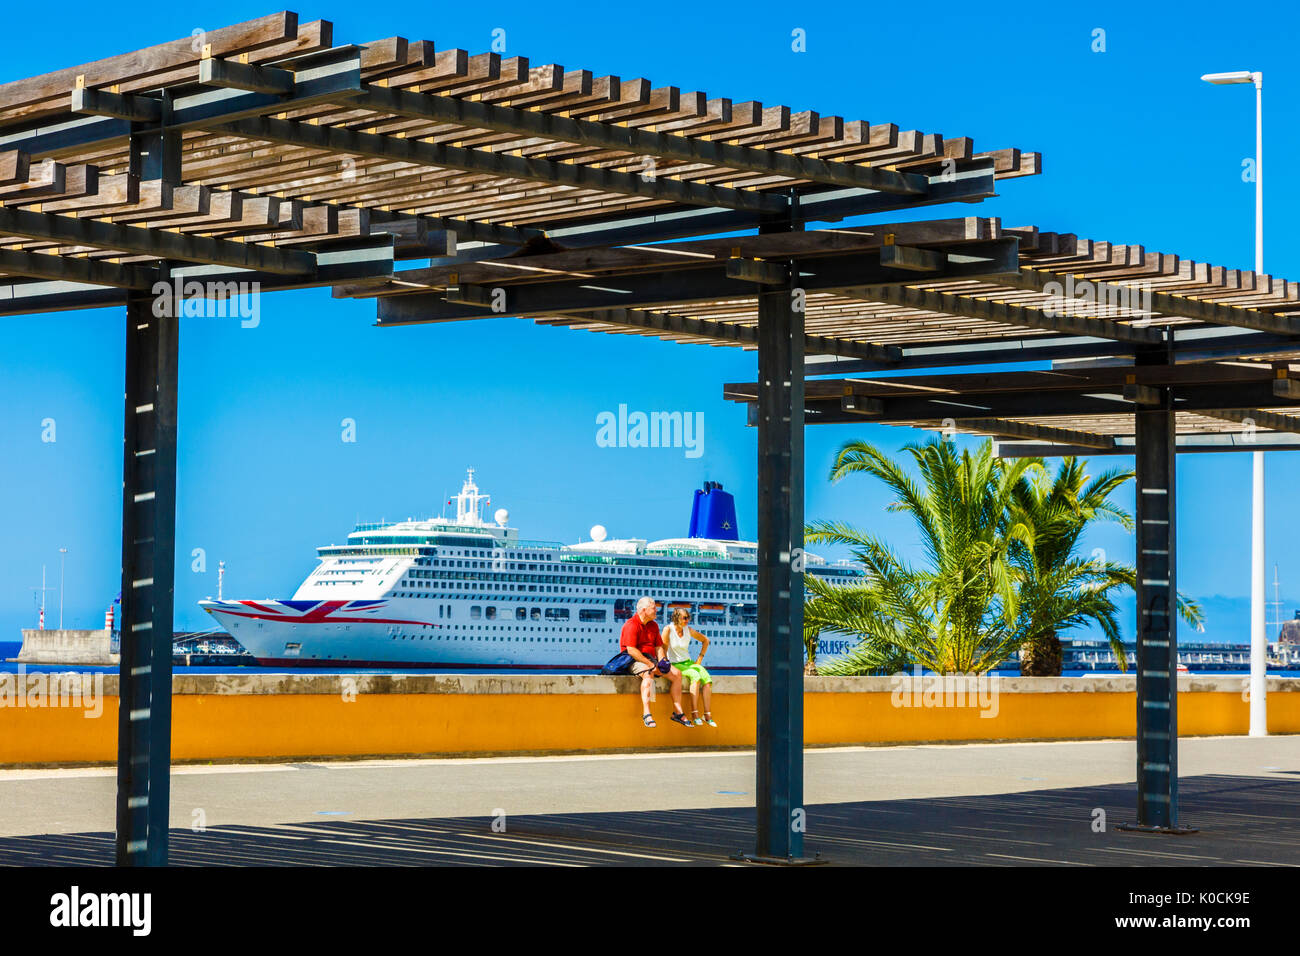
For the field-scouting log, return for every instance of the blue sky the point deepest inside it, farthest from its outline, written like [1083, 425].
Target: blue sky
[1136, 150]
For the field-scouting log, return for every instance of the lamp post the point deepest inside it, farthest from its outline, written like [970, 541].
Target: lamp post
[1258, 632]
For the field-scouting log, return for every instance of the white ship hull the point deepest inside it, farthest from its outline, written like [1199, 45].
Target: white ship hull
[392, 634]
[467, 594]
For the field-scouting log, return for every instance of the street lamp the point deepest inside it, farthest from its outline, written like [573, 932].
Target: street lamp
[1258, 634]
[63, 554]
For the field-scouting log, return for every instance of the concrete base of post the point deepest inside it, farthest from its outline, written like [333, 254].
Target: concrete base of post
[780, 860]
[1169, 831]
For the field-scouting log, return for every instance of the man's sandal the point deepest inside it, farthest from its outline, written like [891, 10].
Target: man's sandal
[682, 719]
[648, 720]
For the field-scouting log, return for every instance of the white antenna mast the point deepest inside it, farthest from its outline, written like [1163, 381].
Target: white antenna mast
[42, 589]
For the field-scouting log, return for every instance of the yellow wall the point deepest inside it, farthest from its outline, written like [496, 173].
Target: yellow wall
[224, 726]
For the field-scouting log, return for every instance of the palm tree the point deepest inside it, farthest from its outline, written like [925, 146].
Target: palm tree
[960, 614]
[1002, 573]
[1058, 590]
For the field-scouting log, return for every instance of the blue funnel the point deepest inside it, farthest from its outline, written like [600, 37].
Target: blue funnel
[713, 514]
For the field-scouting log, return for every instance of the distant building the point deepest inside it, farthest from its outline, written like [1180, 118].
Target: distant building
[1289, 636]
[1288, 640]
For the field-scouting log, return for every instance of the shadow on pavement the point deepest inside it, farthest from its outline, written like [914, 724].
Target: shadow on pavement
[1241, 820]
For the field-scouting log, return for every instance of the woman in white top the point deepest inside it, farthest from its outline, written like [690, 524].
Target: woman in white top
[677, 638]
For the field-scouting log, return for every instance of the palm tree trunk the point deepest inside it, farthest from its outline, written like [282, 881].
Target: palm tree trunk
[1041, 656]
[810, 647]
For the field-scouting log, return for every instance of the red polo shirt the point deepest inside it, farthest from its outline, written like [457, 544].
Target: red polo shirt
[644, 637]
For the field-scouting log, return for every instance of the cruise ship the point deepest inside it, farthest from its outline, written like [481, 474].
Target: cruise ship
[466, 592]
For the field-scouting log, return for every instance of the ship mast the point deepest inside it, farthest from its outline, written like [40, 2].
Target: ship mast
[467, 502]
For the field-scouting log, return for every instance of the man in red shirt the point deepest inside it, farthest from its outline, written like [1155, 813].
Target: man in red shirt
[642, 642]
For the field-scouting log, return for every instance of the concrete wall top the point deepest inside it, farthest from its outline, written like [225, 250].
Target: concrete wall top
[333, 684]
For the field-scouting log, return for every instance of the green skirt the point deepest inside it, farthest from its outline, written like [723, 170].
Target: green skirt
[693, 673]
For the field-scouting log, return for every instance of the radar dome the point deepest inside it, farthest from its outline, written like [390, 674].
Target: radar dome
[598, 533]
[501, 516]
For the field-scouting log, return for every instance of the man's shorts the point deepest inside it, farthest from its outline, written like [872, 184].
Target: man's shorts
[693, 673]
[637, 668]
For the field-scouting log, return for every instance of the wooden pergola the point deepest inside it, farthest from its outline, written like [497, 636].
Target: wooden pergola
[265, 156]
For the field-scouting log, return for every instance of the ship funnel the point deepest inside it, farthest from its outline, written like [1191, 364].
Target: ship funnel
[713, 514]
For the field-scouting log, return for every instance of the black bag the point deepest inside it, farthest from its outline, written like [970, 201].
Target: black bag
[618, 664]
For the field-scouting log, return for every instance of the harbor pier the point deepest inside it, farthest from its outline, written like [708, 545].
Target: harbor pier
[66, 646]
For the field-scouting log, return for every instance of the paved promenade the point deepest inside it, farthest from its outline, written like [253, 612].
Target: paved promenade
[996, 804]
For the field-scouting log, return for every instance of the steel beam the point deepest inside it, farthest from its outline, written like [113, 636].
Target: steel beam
[618, 229]
[911, 258]
[1202, 443]
[779, 754]
[1157, 632]
[353, 261]
[1164, 303]
[38, 265]
[251, 77]
[30, 298]
[1187, 344]
[640, 142]
[1005, 313]
[442, 156]
[1141, 394]
[758, 271]
[148, 556]
[330, 76]
[1201, 399]
[831, 274]
[503, 239]
[137, 109]
[885, 355]
[155, 153]
[730, 332]
[62, 134]
[893, 409]
[1013, 429]
[1286, 388]
[1008, 351]
[860, 405]
[1258, 418]
[154, 242]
